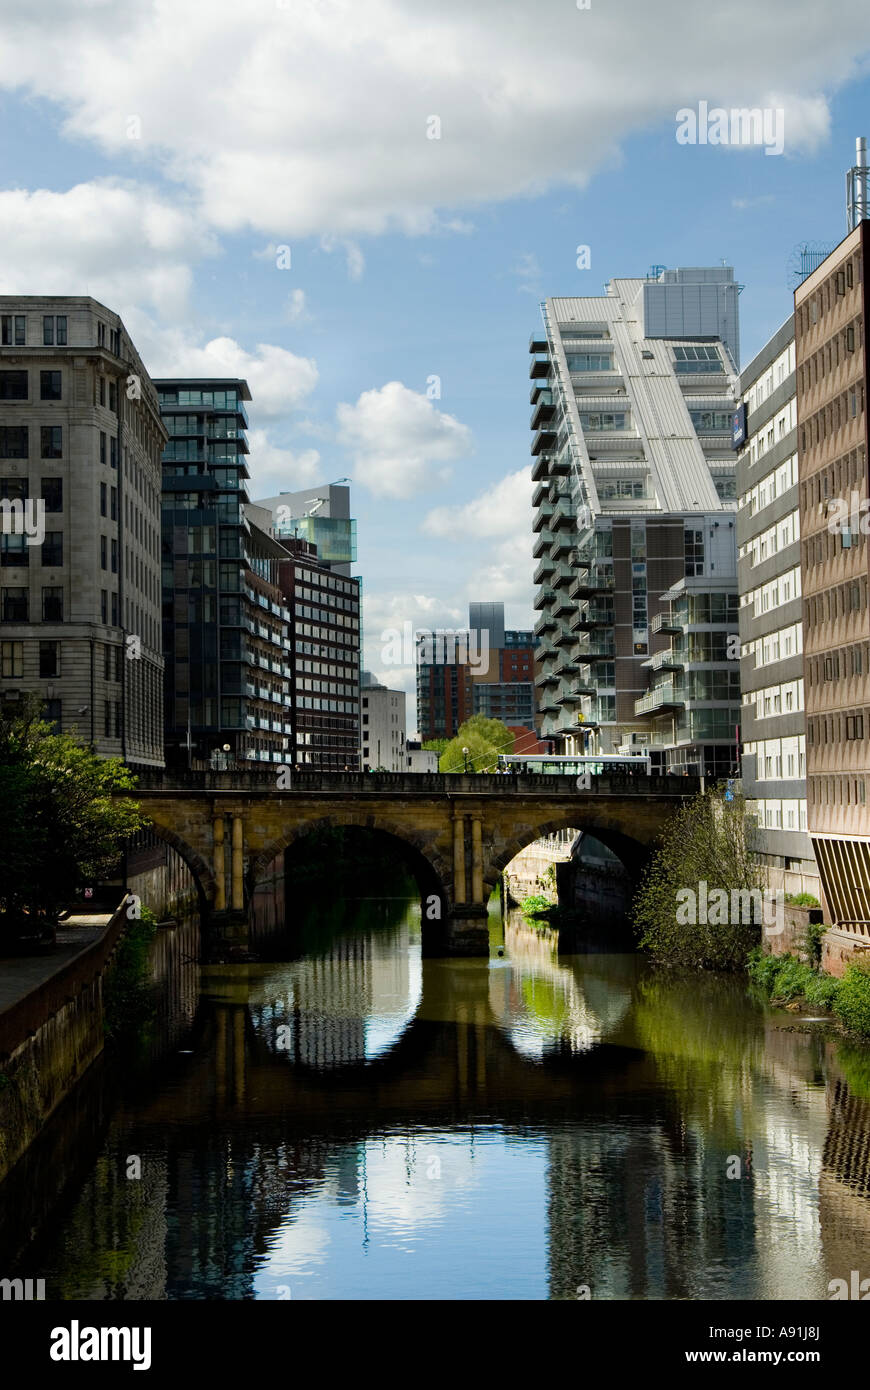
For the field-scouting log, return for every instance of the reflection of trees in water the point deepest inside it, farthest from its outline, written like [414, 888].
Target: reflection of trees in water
[543, 1002]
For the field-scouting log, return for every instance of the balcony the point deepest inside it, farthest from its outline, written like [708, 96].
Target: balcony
[538, 344]
[540, 493]
[541, 467]
[544, 598]
[564, 512]
[562, 542]
[544, 439]
[545, 624]
[593, 582]
[592, 615]
[542, 410]
[596, 649]
[664, 661]
[544, 541]
[547, 566]
[546, 678]
[540, 364]
[543, 516]
[662, 698]
[562, 603]
[664, 622]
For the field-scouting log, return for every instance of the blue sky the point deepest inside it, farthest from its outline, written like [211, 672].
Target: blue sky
[303, 123]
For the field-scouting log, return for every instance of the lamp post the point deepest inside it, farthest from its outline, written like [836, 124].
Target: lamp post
[465, 756]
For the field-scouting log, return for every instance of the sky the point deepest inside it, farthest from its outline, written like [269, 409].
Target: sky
[358, 205]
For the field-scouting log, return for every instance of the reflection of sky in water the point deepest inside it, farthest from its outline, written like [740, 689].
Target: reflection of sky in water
[391, 1216]
[394, 1013]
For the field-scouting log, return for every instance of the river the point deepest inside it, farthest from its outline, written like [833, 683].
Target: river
[361, 1121]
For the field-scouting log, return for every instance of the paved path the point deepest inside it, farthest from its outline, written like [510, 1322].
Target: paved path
[21, 974]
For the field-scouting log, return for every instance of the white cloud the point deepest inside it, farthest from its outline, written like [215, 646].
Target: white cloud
[107, 238]
[279, 380]
[275, 469]
[504, 508]
[399, 441]
[296, 310]
[354, 258]
[508, 574]
[311, 118]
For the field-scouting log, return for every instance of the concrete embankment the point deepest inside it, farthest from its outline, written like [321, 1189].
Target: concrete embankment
[51, 1025]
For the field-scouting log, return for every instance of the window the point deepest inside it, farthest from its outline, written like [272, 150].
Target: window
[51, 714]
[114, 508]
[113, 453]
[107, 719]
[50, 386]
[701, 358]
[51, 441]
[54, 330]
[104, 605]
[14, 605]
[52, 605]
[103, 492]
[13, 386]
[13, 442]
[52, 494]
[602, 421]
[104, 553]
[12, 330]
[114, 557]
[52, 549]
[49, 660]
[14, 549]
[114, 610]
[590, 362]
[12, 660]
[102, 446]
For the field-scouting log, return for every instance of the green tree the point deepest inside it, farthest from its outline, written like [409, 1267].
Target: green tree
[59, 824]
[705, 841]
[484, 738]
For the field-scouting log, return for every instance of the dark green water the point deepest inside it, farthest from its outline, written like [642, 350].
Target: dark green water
[363, 1122]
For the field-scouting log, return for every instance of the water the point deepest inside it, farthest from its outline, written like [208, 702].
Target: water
[365, 1122]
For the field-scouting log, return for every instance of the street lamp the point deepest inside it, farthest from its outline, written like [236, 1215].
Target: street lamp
[465, 756]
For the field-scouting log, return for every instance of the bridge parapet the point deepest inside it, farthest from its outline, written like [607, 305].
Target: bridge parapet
[428, 784]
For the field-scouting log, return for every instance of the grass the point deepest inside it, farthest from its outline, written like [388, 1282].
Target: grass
[785, 978]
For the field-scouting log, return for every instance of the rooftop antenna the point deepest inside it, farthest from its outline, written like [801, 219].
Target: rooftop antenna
[856, 186]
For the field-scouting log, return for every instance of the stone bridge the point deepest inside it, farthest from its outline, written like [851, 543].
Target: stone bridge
[455, 832]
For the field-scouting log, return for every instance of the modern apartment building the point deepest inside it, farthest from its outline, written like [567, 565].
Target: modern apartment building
[321, 516]
[80, 445]
[632, 400]
[382, 732]
[484, 669]
[325, 621]
[225, 624]
[831, 368]
[773, 728]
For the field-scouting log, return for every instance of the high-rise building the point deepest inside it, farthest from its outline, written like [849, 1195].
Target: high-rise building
[80, 445]
[484, 669]
[225, 624]
[831, 367]
[773, 727]
[632, 395]
[324, 636]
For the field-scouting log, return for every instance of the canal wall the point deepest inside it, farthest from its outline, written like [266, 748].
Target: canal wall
[532, 872]
[49, 1037]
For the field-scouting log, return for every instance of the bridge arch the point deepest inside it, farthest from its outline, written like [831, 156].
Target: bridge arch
[201, 870]
[633, 853]
[429, 867]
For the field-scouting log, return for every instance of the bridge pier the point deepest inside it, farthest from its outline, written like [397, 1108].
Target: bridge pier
[467, 932]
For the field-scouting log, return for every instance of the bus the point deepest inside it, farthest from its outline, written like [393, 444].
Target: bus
[561, 765]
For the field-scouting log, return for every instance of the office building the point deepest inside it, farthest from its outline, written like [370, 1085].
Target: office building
[321, 516]
[325, 620]
[225, 624]
[382, 731]
[484, 669]
[831, 380]
[773, 728]
[80, 445]
[632, 399]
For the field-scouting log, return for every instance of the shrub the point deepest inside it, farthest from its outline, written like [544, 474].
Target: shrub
[852, 1004]
[802, 900]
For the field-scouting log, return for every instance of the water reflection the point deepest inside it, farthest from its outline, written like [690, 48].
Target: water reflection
[361, 1122]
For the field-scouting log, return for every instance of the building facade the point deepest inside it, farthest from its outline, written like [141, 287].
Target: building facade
[325, 624]
[632, 399]
[773, 724]
[831, 380]
[80, 445]
[484, 669]
[382, 731]
[225, 624]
